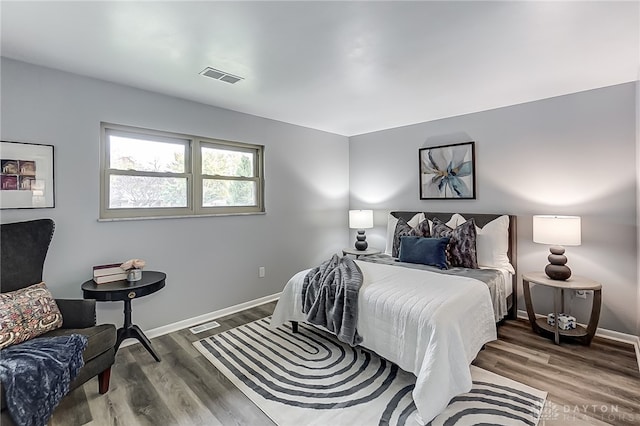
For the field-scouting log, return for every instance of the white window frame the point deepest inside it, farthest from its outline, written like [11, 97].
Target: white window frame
[192, 173]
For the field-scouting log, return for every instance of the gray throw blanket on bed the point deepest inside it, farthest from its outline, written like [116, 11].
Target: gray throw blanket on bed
[330, 297]
[36, 375]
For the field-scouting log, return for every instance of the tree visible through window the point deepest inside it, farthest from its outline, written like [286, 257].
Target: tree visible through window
[227, 177]
[132, 154]
[150, 173]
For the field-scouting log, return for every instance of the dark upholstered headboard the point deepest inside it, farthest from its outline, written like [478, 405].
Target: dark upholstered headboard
[482, 219]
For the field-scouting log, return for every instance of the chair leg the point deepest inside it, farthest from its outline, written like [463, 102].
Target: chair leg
[103, 380]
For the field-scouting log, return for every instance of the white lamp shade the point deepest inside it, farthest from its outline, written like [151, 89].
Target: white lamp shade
[557, 230]
[360, 219]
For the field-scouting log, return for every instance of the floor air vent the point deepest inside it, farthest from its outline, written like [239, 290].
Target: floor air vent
[204, 327]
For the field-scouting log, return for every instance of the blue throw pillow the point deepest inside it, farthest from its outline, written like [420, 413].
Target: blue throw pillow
[427, 251]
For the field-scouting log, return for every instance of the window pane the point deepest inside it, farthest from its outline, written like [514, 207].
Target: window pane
[226, 162]
[143, 155]
[217, 193]
[146, 192]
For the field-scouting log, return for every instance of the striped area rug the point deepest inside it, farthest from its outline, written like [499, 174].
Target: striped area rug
[310, 378]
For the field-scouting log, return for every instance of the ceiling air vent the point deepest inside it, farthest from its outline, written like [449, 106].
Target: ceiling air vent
[220, 75]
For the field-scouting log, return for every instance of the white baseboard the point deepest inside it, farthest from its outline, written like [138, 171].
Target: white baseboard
[190, 322]
[604, 333]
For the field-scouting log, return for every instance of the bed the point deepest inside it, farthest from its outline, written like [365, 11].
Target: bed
[430, 323]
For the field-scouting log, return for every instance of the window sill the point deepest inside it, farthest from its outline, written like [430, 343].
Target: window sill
[190, 216]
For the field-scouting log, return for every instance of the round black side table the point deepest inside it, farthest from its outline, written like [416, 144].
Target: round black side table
[126, 291]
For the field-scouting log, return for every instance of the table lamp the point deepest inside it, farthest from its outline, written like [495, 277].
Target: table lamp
[361, 220]
[559, 231]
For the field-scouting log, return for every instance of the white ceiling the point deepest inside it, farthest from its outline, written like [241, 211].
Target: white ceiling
[344, 67]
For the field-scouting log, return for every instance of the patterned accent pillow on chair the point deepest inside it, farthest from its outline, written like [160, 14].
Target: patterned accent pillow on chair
[27, 313]
[461, 250]
[403, 229]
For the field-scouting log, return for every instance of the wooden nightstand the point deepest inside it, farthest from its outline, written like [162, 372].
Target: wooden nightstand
[539, 325]
[357, 253]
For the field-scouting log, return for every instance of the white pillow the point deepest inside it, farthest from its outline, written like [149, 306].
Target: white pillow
[492, 244]
[391, 228]
[456, 219]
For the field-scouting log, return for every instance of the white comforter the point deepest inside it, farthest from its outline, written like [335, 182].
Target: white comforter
[430, 324]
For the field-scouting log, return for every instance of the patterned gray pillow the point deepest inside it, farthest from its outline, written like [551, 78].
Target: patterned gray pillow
[461, 250]
[403, 229]
[422, 230]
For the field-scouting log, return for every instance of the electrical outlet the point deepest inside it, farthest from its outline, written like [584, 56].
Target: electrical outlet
[261, 272]
[581, 294]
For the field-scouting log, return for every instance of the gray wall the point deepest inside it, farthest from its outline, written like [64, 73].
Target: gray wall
[573, 155]
[211, 262]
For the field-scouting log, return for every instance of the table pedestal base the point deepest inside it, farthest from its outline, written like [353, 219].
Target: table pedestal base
[130, 330]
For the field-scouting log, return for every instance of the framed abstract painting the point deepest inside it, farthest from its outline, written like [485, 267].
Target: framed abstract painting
[26, 176]
[448, 172]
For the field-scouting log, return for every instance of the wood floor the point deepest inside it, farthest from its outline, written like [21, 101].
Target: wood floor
[597, 385]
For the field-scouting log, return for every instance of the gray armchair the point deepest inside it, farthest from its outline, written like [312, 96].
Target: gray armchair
[24, 246]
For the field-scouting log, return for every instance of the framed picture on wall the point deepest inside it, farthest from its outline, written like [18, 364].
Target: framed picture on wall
[26, 176]
[448, 172]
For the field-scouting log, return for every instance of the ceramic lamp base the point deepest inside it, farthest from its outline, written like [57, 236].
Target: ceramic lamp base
[361, 243]
[557, 268]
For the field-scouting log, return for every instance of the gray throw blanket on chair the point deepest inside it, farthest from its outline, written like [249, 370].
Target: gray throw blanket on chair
[36, 375]
[330, 297]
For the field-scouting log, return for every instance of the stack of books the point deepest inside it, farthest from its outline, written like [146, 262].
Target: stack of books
[108, 273]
